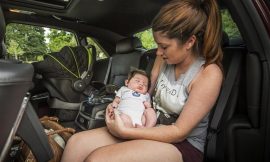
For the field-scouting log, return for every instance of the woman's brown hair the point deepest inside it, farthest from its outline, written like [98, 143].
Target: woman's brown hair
[181, 19]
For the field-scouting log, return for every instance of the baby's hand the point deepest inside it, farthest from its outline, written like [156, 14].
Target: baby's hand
[147, 104]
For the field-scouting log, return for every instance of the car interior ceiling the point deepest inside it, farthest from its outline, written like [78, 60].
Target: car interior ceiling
[245, 114]
[106, 37]
[100, 13]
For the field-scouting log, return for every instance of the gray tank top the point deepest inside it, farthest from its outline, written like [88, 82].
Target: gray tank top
[172, 93]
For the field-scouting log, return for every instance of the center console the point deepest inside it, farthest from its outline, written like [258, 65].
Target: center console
[92, 113]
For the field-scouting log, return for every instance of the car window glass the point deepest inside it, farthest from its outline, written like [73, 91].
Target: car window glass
[147, 39]
[29, 43]
[101, 53]
[229, 25]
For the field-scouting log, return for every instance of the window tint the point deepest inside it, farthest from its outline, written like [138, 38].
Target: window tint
[29, 43]
[147, 39]
[229, 25]
[101, 54]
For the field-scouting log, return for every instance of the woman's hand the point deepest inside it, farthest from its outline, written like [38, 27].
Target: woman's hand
[109, 111]
[114, 123]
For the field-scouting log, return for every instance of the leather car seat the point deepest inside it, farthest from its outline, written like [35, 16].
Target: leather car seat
[127, 56]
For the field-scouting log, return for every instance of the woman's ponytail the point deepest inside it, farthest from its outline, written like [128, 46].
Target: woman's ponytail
[183, 18]
[211, 47]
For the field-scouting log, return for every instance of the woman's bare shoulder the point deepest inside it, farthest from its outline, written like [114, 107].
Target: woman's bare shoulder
[211, 74]
[208, 75]
[212, 70]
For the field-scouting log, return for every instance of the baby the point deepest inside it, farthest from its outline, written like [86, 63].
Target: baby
[132, 100]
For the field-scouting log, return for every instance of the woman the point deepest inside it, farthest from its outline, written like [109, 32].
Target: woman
[187, 75]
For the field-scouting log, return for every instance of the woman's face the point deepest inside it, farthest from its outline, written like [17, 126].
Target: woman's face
[171, 50]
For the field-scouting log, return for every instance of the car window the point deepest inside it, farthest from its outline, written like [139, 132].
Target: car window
[29, 43]
[147, 39]
[101, 53]
[229, 25]
[57, 39]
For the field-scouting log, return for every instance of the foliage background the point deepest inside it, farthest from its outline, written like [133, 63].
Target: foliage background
[29, 43]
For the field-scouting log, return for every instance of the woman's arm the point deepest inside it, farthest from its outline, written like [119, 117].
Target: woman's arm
[154, 73]
[203, 93]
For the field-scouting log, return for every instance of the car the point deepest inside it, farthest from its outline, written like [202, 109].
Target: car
[66, 58]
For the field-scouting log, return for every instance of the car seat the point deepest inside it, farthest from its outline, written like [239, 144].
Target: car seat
[66, 74]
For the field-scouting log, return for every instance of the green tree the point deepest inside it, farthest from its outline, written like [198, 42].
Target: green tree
[25, 42]
[147, 39]
[59, 39]
[228, 25]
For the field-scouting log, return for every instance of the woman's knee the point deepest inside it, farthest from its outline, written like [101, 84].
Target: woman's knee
[95, 156]
[73, 140]
[79, 138]
[71, 145]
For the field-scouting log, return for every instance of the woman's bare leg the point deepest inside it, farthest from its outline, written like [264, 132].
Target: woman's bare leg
[136, 151]
[80, 145]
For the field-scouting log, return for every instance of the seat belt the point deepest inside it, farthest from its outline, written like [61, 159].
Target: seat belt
[221, 105]
[108, 71]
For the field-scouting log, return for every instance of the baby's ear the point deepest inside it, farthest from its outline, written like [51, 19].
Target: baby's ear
[126, 82]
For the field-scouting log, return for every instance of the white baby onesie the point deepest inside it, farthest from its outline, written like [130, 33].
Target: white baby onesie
[131, 104]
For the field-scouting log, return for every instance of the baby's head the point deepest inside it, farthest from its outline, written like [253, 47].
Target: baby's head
[138, 81]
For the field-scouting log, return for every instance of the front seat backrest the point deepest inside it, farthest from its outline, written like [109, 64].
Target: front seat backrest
[15, 81]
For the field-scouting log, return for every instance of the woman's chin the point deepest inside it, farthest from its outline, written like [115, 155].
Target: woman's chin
[168, 62]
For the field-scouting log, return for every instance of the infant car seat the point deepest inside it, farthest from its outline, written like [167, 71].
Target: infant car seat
[66, 74]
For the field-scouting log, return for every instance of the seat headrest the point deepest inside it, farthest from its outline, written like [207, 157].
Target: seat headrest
[128, 45]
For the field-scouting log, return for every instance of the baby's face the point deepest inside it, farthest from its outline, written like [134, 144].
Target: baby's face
[138, 83]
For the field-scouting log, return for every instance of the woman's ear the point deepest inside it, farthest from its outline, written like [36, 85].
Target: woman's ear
[190, 42]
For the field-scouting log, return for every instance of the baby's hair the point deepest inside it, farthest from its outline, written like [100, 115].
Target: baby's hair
[133, 72]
